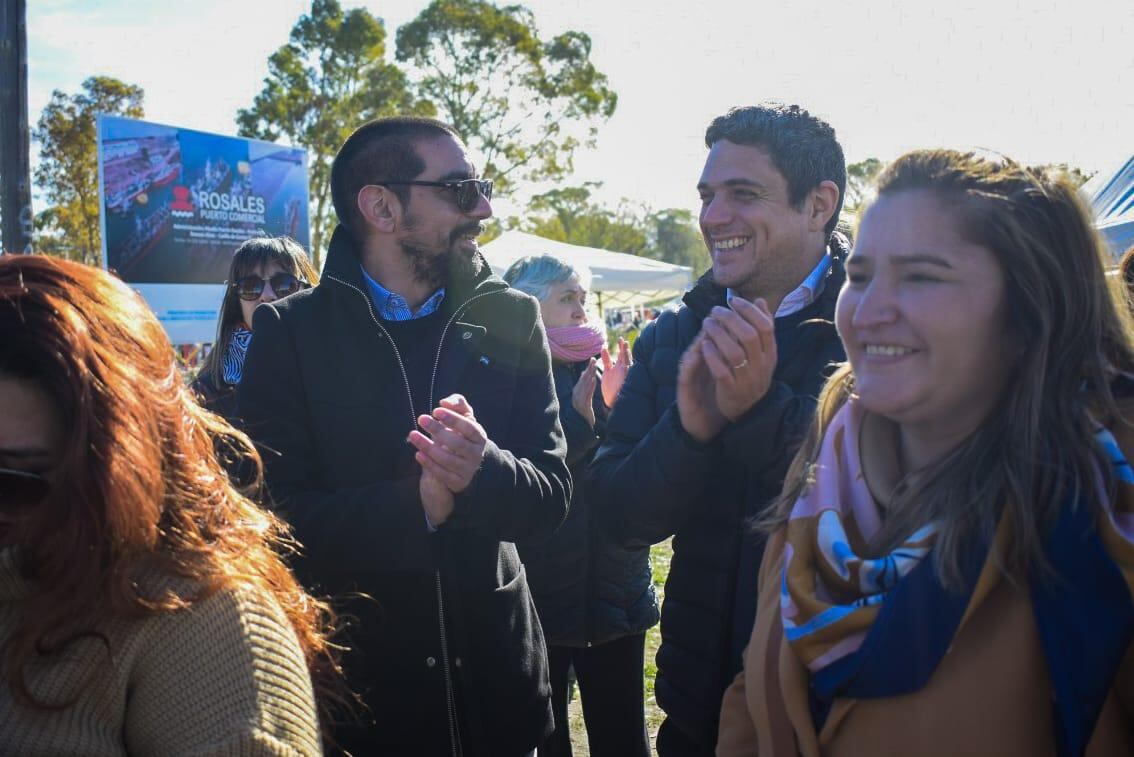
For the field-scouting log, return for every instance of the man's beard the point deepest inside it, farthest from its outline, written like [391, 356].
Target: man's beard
[430, 269]
[437, 269]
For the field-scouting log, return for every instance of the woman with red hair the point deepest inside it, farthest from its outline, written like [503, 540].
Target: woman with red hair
[144, 605]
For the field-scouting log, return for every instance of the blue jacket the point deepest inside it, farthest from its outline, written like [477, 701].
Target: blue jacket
[650, 480]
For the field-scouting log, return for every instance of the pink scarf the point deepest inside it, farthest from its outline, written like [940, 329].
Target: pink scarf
[570, 344]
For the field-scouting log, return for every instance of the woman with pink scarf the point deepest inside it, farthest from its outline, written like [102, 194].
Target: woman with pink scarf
[595, 598]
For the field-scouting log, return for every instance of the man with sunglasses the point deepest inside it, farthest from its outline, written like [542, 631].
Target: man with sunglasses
[410, 431]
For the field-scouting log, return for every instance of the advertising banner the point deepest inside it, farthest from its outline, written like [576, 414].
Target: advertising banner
[175, 203]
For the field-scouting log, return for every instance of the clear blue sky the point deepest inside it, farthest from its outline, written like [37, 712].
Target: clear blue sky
[1039, 80]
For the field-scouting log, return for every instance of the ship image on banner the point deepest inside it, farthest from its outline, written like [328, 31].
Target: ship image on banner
[176, 203]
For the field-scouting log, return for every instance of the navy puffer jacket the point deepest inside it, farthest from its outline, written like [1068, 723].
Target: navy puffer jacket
[650, 480]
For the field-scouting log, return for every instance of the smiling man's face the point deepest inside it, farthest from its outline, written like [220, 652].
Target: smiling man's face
[755, 237]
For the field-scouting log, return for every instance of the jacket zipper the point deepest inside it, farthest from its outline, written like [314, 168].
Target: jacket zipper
[451, 706]
[454, 729]
[393, 345]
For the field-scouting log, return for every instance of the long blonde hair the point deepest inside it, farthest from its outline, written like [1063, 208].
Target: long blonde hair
[1037, 446]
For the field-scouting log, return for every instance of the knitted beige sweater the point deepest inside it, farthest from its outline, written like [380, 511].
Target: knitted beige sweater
[225, 677]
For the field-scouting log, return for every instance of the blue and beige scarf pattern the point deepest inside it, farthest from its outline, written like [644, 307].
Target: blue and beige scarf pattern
[878, 627]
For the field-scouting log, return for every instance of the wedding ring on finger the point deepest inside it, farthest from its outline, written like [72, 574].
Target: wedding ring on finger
[740, 365]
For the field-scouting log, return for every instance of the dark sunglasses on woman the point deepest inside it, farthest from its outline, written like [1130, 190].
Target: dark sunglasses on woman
[20, 489]
[467, 191]
[283, 284]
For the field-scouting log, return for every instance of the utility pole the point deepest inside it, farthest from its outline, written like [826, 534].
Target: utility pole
[17, 223]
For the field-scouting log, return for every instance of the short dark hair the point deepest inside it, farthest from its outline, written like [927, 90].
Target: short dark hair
[802, 146]
[380, 150]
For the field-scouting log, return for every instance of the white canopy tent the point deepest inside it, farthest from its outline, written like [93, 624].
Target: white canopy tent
[1111, 195]
[620, 279]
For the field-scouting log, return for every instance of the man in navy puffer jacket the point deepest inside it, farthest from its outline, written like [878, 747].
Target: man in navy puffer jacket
[721, 394]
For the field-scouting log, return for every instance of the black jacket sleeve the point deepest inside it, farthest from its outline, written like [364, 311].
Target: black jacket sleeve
[581, 437]
[767, 437]
[521, 492]
[648, 473]
[380, 527]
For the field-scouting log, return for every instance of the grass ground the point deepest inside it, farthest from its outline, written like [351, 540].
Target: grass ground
[660, 556]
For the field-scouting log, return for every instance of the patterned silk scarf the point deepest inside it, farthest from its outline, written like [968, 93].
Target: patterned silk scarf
[878, 627]
[233, 366]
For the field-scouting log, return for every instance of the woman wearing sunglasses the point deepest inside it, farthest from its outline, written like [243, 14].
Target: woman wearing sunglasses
[951, 567]
[144, 604]
[264, 269]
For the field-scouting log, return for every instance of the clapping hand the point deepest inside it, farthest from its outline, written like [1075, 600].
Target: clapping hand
[436, 499]
[614, 372]
[450, 455]
[739, 349]
[582, 396]
[697, 394]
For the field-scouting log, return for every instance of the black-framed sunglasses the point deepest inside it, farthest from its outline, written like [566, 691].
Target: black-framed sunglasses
[283, 284]
[468, 191]
[20, 489]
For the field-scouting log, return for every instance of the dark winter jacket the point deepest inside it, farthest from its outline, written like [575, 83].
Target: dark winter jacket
[651, 480]
[217, 399]
[588, 588]
[446, 651]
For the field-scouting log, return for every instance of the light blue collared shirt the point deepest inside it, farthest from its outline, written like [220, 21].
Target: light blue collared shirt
[804, 294]
[393, 307]
[807, 292]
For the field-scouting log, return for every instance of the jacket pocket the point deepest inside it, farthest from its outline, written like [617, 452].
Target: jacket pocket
[519, 629]
[515, 661]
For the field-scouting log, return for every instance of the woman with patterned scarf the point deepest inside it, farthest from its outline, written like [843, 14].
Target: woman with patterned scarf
[952, 561]
[595, 598]
[263, 269]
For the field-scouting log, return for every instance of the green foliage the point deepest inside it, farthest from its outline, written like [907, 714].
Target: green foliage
[493, 227]
[523, 103]
[67, 173]
[678, 240]
[862, 175]
[660, 557]
[570, 215]
[860, 178]
[328, 80]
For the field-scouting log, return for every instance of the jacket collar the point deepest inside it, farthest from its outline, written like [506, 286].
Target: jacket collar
[706, 293]
[343, 263]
